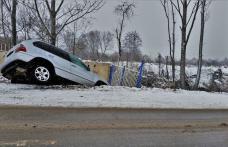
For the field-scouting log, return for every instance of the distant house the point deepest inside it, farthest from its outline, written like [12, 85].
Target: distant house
[4, 46]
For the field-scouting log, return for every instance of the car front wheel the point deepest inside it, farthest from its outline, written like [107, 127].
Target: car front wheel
[41, 74]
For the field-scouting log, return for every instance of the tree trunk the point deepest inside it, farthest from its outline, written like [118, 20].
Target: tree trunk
[120, 48]
[74, 42]
[14, 22]
[173, 46]
[183, 45]
[159, 65]
[2, 20]
[196, 85]
[166, 65]
[172, 40]
[120, 36]
[53, 23]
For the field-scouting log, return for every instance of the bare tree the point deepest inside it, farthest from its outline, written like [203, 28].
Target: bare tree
[159, 61]
[70, 40]
[204, 6]
[9, 9]
[132, 44]
[166, 66]
[125, 11]
[106, 42]
[187, 24]
[60, 14]
[75, 44]
[92, 40]
[72, 36]
[3, 19]
[98, 43]
[170, 16]
[14, 22]
[25, 24]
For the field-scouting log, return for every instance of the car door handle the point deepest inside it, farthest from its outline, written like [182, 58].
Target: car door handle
[74, 66]
[51, 56]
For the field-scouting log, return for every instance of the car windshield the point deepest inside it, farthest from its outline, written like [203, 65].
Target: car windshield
[74, 59]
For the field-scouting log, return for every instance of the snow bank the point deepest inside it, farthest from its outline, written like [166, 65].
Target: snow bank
[121, 97]
[2, 79]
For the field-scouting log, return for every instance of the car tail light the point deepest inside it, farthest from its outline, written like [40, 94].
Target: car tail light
[21, 48]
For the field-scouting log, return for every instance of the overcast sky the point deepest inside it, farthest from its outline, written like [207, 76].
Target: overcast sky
[150, 23]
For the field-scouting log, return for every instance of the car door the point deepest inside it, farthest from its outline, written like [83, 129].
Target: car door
[65, 64]
[81, 71]
[57, 56]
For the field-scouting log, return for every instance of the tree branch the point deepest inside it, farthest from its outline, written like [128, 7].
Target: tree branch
[193, 22]
[40, 18]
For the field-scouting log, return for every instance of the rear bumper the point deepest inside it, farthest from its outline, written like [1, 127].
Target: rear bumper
[13, 61]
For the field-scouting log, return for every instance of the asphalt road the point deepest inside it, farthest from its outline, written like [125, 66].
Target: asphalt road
[24, 126]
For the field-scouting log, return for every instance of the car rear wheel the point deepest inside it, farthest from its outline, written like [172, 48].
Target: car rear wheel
[42, 74]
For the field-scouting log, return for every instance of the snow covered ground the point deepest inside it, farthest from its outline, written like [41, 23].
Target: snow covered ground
[120, 97]
[191, 70]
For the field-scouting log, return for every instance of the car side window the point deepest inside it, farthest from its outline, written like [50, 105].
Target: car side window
[52, 49]
[78, 62]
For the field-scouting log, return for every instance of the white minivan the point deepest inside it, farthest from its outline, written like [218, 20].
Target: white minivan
[42, 63]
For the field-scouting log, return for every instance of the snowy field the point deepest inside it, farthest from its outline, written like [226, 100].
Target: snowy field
[117, 97]
[191, 72]
[206, 74]
[101, 97]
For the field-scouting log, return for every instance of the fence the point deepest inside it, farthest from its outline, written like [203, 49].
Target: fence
[122, 76]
